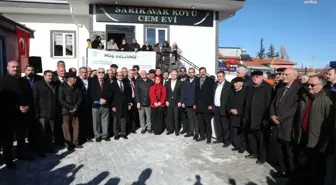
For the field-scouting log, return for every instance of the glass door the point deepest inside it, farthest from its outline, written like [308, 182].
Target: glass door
[156, 35]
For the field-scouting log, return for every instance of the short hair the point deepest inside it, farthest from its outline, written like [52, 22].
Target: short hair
[242, 68]
[220, 72]
[136, 67]
[183, 68]
[332, 69]
[165, 72]
[60, 62]
[82, 68]
[131, 70]
[174, 70]
[158, 68]
[320, 79]
[88, 40]
[29, 66]
[191, 69]
[47, 71]
[101, 69]
[202, 68]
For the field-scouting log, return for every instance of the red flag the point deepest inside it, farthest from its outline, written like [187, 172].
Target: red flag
[23, 47]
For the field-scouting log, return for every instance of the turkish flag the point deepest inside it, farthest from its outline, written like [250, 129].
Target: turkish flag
[23, 47]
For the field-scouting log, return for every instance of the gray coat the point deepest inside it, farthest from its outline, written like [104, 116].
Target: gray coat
[320, 120]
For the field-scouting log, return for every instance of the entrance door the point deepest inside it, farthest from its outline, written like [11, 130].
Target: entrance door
[119, 32]
[156, 35]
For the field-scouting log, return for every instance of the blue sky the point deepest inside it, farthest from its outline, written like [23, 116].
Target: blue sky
[306, 30]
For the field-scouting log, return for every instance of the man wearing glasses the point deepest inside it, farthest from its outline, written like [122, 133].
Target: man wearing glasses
[313, 125]
[279, 77]
[100, 95]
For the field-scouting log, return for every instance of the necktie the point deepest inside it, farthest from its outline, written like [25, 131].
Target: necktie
[121, 87]
[101, 85]
[132, 85]
[283, 94]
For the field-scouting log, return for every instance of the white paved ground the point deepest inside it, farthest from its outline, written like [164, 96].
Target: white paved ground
[142, 159]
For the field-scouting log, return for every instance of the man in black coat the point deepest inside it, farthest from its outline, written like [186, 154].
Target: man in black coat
[203, 104]
[236, 107]
[85, 110]
[133, 116]
[259, 97]
[282, 111]
[30, 123]
[121, 104]
[13, 104]
[44, 97]
[173, 87]
[221, 117]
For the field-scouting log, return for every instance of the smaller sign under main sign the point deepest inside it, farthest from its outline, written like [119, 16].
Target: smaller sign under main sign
[150, 15]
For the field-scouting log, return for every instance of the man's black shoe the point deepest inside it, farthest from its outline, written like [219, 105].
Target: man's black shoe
[124, 136]
[280, 175]
[241, 151]
[69, 146]
[226, 145]
[234, 149]
[169, 132]
[89, 140]
[183, 132]
[177, 133]
[143, 131]
[134, 132]
[78, 146]
[98, 140]
[208, 141]
[11, 166]
[200, 139]
[107, 139]
[116, 137]
[189, 135]
[195, 137]
[260, 162]
[150, 131]
[217, 142]
[250, 157]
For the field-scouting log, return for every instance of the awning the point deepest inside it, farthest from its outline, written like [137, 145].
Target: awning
[11, 26]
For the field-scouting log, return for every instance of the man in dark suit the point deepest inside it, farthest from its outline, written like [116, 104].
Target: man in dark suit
[221, 119]
[13, 105]
[121, 104]
[259, 97]
[30, 123]
[133, 116]
[45, 103]
[59, 78]
[282, 113]
[173, 104]
[136, 74]
[187, 100]
[85, 109]
[165, 77]
[203, 104]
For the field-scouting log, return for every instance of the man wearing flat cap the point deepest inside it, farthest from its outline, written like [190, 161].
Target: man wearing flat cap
[259, 96]
[235, 107]
[70, 98]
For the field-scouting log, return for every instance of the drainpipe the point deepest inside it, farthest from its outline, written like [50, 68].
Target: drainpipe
[77, 35]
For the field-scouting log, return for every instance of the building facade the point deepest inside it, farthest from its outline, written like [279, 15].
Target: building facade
[62, 27]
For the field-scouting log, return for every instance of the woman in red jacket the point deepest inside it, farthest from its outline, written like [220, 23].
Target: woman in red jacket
[157, 95]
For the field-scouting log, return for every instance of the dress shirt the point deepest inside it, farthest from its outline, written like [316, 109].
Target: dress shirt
[218, 94]
[61, 79]
[85, 82]
[191, 80]
[172, 84]
[121, 85]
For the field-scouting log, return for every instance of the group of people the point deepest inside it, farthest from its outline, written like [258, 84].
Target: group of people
[290, 125]
[167, 58]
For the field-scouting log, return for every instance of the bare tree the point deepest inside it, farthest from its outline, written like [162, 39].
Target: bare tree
[283, 53]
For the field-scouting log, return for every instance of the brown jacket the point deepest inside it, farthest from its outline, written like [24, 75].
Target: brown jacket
[320, 119]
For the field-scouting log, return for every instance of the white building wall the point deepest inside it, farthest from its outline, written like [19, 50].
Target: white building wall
[198, 44]
[43, 24]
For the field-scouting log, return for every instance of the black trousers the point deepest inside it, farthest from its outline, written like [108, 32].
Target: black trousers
[132, 118]
[285, 156]
[119, 125]
[45, 134]
[204, 123]
[238, 138]
[192, 121]
[31, 129]
[184, 119]
[256, 144]
[173, 115]
[86, 124]
[222, 127]
[157, 118]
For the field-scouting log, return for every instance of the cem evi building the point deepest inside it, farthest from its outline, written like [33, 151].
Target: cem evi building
[61, 27]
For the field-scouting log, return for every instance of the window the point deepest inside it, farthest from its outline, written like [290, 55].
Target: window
[156, 35]
[63, 44]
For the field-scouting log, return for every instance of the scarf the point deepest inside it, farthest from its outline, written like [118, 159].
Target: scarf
[157, 88]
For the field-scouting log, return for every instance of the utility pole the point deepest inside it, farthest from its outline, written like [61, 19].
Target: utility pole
[313, 64]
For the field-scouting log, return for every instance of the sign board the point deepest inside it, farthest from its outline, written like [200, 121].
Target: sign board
[150, 15]
[102, 58]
